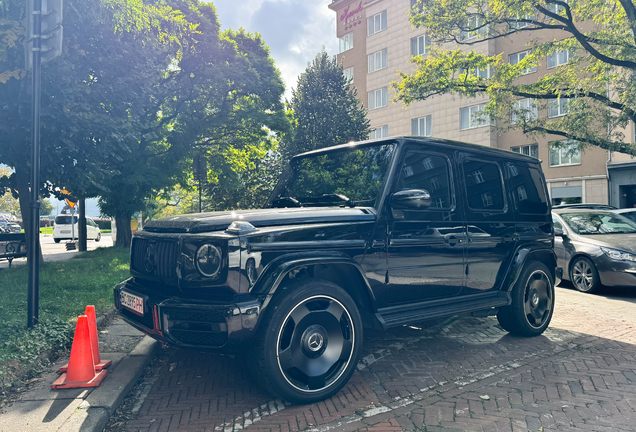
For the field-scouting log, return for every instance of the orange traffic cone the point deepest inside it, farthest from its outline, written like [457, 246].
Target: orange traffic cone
[92, 326]
[81, 370]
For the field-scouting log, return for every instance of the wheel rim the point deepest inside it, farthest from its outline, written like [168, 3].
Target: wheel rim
[537, 299]
[315, 343]
[582, 275]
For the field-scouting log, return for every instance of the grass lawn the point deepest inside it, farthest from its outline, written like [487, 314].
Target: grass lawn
[66, 287]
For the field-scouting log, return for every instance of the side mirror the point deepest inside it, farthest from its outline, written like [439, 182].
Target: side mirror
[558, 232]
[418, 199]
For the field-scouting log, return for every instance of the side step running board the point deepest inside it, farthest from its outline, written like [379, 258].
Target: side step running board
[479, 305]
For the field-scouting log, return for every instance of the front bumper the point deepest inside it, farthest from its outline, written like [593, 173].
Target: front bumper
[615, 273]
[191, 323]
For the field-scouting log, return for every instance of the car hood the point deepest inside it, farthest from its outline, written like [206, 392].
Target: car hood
[625, 242]
[217, 221]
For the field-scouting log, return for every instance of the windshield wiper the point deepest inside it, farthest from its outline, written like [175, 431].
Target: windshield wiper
[340, 197]
[287, 202]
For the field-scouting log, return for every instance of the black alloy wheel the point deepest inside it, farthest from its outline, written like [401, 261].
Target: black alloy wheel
[537, 298]
[310, 342]
[315, 343]
[532, 305]
[584, 276]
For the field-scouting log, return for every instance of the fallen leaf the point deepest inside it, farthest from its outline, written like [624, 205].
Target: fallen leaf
[485, 397]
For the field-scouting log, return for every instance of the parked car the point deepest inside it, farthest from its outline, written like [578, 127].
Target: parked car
[595, 248]
[375, 234]
[63, 230]
[9, 227]
[584, 206]
[629, 213]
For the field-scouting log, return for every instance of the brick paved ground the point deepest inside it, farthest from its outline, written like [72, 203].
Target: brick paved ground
[459, 374]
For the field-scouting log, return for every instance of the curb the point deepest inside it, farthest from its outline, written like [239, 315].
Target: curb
[105, 399]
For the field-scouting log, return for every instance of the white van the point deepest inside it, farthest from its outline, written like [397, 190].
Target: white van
[62, 229]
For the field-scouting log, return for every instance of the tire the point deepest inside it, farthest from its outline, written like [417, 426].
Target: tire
[99, 237]
[532, 305]
[309, 342]
[57, 240]
[584, 276]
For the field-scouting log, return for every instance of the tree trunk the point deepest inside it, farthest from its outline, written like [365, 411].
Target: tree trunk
[24, 196]
[124, 233]
[81, 226]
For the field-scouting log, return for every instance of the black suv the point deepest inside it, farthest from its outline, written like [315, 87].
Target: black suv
[373, 234]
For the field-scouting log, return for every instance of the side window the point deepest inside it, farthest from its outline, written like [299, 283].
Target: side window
[483, 186]
[527, 188]
[429, 172]
[556, 222]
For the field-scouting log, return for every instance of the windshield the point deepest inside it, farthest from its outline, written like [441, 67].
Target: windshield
[65, 220]
[590, 223]
[353, 176]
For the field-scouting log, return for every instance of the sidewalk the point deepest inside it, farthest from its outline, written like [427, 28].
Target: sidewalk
[87, 410]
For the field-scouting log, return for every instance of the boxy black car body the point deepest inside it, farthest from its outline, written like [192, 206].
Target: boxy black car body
[409, 228]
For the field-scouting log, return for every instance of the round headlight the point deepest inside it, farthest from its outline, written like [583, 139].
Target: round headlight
[208, 260]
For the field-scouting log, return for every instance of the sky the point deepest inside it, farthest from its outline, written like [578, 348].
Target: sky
[295, 30]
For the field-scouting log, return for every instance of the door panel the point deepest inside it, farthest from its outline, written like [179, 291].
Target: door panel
[490, 224]
[426, 247]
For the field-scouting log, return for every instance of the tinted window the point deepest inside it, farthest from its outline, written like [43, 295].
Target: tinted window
[557, 224]
[630, 215]
[527, 188]
[483, 186]
[65, 220]
[428, 172]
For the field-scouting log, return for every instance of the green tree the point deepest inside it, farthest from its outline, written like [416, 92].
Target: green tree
[8, 202]
[597, 83]
[95, 99]
[46, 208]
[326, 109]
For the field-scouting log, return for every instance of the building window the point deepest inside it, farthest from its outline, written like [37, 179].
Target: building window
[525, 108]
[379, 132]
[566, 153]
[558, 107]
[473, 27]
[560, 57]
[348, 73]
[421, 126]
[477, 72]
[376, 23]
[516, 25]
[378, 98]
[377, 60]
[555, 8]
[420, 45]
[346, 42]
[517, 57]
[469, 117]
[529, 150]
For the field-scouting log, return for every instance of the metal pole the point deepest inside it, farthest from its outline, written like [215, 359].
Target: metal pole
[33, 253]
[199, 195]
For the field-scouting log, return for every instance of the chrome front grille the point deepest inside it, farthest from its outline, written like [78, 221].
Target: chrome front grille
[156, 258]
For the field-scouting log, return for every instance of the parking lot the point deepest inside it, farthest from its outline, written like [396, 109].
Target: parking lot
[462, 373]
[52, 251]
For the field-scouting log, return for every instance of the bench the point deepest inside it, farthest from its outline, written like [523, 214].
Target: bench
[12, 246]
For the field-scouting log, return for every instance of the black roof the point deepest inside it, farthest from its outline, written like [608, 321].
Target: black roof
[424, 140]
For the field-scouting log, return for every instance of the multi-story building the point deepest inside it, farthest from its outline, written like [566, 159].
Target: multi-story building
[377, 40]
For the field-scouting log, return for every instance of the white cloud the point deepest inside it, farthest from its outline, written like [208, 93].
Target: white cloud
[295, 30]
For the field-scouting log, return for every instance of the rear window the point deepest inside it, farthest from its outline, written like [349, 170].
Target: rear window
[65, 220]
[528, 189]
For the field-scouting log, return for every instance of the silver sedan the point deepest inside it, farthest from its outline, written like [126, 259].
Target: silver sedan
[595, 248]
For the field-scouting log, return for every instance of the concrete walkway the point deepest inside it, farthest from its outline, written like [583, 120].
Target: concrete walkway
[87, 410]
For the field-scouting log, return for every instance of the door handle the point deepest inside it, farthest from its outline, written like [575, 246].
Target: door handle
[453, 240]
[377, 244]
